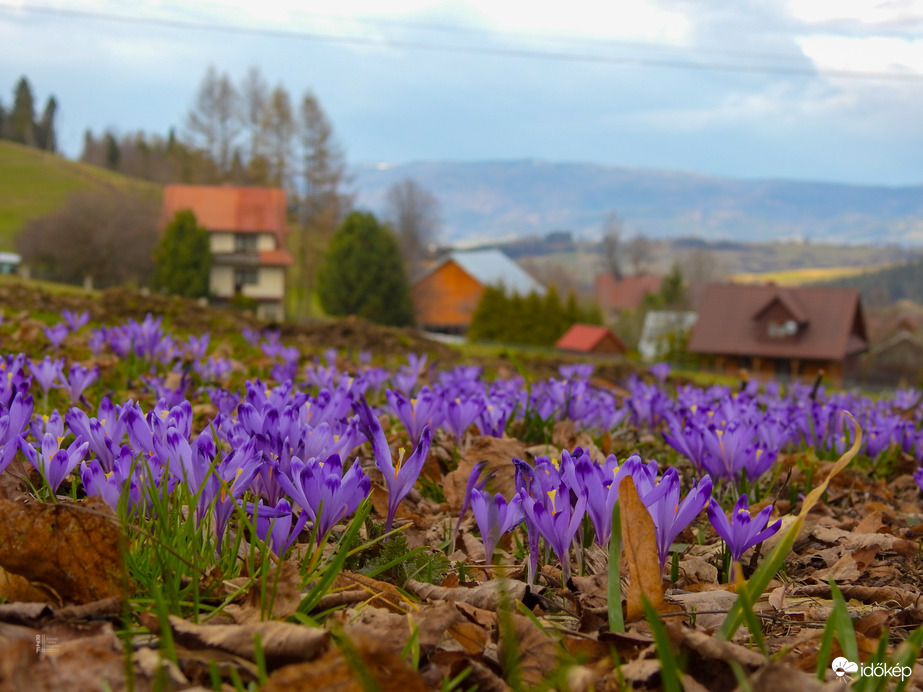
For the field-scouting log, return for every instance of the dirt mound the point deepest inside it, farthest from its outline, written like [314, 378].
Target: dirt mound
[184, 315]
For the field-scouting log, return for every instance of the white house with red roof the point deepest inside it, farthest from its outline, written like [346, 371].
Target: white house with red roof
[247, 230]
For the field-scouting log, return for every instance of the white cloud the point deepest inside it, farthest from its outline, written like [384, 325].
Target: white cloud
[872, 54]
[869, 12]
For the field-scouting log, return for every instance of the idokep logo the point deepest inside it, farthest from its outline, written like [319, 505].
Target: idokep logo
[843, 666]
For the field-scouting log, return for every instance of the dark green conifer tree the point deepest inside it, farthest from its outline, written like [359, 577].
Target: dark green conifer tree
[20, 124]
[183, 258]
[362, 273]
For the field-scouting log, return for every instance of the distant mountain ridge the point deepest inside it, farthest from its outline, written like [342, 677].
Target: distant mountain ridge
[505, 199]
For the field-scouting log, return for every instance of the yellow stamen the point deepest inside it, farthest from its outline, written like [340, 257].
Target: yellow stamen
[400, 460]
[551, 494]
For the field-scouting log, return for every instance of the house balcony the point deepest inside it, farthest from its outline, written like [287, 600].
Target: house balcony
[249, 258]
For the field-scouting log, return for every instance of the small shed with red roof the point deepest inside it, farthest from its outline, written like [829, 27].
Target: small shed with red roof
[591, 338]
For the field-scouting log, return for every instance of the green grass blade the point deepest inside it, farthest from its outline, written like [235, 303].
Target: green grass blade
[333, 569]
[669, 667]
[614, 582]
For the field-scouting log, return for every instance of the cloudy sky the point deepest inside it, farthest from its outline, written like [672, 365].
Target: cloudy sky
[802, 89]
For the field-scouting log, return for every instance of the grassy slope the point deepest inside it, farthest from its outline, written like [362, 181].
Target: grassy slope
[34, 183]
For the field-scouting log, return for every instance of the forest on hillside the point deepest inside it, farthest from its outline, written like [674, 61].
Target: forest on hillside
[887, 286]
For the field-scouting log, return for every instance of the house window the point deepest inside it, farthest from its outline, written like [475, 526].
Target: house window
[246, 277]
[780, 330]
[245, 242]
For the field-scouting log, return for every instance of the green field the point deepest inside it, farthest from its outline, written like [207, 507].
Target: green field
[34, 183]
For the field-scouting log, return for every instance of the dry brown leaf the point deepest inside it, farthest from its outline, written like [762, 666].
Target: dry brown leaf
[282, 642]
[710, 607]
[336, 672]
[76, 664]
[497, 452]
[473, 638]
[640, 543]
[71, 548]
[536, 652]
[488, 596]
[285, 584]
[379, 498]
[852, 540]
[707, 646]
[389, 630]
[433, 624]
[16, 588]
[852, 565]
[378, 593]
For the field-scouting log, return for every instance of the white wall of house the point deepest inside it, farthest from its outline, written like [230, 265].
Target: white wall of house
[265, 241]
[221, 242]
[221, 282]
[271, 284]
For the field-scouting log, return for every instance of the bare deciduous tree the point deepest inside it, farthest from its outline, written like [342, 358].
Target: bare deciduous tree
[640, 252]
[611, 244]
[699, 267]
[213, 123]
[106, 237]
[414, 214]
[278, 125]
[254, 95]
[322, 205]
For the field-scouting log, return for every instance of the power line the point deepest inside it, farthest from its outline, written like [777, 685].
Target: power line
[558, 56]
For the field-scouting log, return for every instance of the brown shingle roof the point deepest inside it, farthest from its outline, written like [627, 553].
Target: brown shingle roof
[732, 321]
[227, 208]
[586, 338]
[626, 293]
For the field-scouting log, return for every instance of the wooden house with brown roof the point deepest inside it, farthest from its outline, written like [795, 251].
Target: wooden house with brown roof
[247, 230]
[446, 296]
[777, 331]
[590, 338]
[625, 293]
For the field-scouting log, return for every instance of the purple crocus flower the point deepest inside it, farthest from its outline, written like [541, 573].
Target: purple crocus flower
[324, 492]
[670, 514]
[110, 486]
[53, 463]
[75, 320]
[661, 371]
[274, 525]
[46, 372]
[742, 532]
[56, 334]
[555, 519]
[918, 477]
[418, 413]
[461, 413]
[399, 478]
[494, 517]
[77, 380]
[16, 420]
[474, 481]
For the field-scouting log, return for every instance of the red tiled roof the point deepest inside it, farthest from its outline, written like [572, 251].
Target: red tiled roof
[587, 338]
[228, 208]
[275, 258]
[731, 321]
[626, 293]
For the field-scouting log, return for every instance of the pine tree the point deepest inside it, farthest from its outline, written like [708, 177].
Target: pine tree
[20, 124]
[45, 135]
[490, 316]
[183, 258]
[362, 273]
